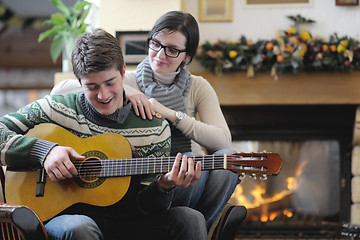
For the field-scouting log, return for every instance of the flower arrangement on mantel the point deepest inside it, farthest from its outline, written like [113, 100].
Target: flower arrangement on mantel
[295, 50]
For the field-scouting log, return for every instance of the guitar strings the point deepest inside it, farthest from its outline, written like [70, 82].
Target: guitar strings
[131, 166]
[145, 165]
[131, 163]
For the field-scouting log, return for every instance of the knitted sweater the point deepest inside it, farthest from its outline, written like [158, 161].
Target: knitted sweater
[74, 113]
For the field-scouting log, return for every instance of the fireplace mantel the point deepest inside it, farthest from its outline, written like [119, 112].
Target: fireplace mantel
[335, 88]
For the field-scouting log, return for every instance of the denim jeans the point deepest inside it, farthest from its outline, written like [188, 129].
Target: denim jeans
[73, 227]
[178, 223]
[211, 192]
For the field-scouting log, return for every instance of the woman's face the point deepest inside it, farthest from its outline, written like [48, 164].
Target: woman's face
[159, 62]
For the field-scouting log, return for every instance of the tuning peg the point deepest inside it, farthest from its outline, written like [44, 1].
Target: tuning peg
[263, 177]
[253, 176]
[242, 176]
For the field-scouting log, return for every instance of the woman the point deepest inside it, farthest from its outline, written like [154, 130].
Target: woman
[179, 96]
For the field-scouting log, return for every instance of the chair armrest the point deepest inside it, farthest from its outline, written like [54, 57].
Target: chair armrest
[21, 220]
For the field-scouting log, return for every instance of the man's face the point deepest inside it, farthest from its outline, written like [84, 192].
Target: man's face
[104, 90]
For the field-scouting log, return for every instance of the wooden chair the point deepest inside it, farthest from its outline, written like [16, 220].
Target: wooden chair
[18, 222]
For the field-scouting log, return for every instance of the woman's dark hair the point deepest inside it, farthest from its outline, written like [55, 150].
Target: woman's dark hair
[95, 52]
[179, 21]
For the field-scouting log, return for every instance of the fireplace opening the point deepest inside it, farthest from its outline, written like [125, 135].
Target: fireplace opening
[311, 197]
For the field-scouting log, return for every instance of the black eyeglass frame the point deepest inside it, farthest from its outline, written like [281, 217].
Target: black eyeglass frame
[165, 47]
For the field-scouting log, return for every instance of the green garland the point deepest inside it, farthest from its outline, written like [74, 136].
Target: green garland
[295, 50]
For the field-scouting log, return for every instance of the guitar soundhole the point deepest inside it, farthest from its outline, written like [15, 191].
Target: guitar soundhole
[90, 169]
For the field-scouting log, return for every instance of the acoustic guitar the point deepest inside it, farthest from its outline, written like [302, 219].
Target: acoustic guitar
[104, 176]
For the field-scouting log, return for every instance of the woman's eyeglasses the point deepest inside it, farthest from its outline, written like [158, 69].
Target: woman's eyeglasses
[169, 51]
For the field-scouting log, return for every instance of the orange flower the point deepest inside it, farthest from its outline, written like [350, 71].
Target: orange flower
[211, 54]
[280, 58]
[293, 40]
[250, 43]
[333, 48]
[289, 48]
[219, 54]
[269, 46]
[325, 47]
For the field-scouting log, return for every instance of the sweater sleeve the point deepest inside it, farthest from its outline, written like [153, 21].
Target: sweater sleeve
[16, 149]
[211, 130]
[153, 199]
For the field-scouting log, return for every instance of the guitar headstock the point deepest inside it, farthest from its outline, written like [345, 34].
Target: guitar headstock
[254, 164]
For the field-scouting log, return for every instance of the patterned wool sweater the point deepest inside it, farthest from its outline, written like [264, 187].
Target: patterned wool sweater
[150, 138]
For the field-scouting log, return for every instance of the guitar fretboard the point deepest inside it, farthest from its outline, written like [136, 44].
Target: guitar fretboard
[138, 166]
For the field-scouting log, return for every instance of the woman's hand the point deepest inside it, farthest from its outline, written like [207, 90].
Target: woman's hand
[141, 104]
[58, 163]
[184, 174]
[167, 113]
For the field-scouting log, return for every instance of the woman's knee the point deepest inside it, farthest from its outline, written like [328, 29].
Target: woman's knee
[226, 177]
[225, 151]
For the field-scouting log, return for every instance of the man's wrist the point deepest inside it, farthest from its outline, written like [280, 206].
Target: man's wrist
[161, 187]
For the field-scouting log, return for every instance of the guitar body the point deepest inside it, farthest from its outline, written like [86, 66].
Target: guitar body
[20, 187]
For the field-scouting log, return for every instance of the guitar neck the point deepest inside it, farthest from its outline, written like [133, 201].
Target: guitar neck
[149, 165]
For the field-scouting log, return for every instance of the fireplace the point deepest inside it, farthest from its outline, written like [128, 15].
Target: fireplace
[311, 197]
[309, 120]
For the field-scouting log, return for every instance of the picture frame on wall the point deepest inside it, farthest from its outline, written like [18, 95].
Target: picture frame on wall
[133, 45]
[215, 10]
[277, 3]
[347, 2]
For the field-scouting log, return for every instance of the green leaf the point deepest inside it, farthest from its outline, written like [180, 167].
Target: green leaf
[47, 22]
[83, 28]
[80, 5]
[56, 48]
[83, 16]
[61, 6]
[49, 33]
[58, 19]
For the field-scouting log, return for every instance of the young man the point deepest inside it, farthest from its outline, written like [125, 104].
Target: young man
[102, 108]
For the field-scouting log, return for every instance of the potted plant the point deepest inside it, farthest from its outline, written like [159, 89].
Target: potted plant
[66, 26]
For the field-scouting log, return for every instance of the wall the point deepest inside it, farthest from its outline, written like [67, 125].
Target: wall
[265, 22]
[132, 15]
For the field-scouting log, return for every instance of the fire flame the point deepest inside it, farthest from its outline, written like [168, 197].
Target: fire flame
[258, 196]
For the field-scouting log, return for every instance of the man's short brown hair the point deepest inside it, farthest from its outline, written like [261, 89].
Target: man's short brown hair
[96, 51]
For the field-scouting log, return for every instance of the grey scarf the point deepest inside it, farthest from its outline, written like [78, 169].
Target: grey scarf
[172, 97]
